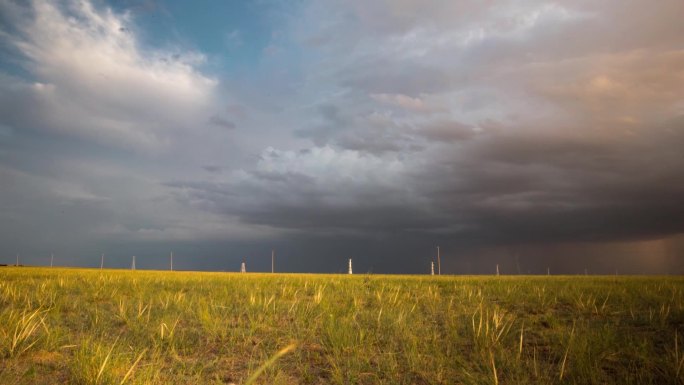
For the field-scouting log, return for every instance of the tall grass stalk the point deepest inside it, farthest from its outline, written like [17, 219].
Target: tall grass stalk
[269, 363]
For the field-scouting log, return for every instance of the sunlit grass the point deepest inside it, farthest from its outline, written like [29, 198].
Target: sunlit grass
[144, 327]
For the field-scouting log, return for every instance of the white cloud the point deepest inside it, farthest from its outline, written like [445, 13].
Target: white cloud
[94, 80]
[333, 169]
[416, 104]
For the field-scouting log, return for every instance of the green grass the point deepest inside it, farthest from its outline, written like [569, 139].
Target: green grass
[142, 327]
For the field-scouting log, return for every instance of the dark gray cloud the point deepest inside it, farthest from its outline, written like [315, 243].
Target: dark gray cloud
[447, 131]
[211, 168]
[501, 188]
[221, 122]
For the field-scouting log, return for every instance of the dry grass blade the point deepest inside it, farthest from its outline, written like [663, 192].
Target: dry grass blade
[496, 377]
[104, 363]
[270, 362]
[567, 350]
[130, 371]
[520, 348]
[679, 361]
[25, 327]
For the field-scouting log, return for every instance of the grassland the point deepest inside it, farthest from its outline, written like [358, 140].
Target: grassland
[141, 327]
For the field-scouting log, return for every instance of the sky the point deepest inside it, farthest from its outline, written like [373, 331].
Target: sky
[528, 134]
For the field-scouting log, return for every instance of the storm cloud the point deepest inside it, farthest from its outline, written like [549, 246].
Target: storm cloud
[529, 134]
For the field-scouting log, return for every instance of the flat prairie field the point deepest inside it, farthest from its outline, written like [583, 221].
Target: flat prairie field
[85, 326]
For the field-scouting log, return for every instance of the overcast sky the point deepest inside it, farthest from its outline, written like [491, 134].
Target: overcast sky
[530, 134]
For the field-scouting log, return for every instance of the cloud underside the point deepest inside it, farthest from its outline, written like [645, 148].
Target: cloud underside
[515, 123]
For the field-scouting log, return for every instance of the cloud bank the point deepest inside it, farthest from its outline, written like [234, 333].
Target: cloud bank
[381, 127]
